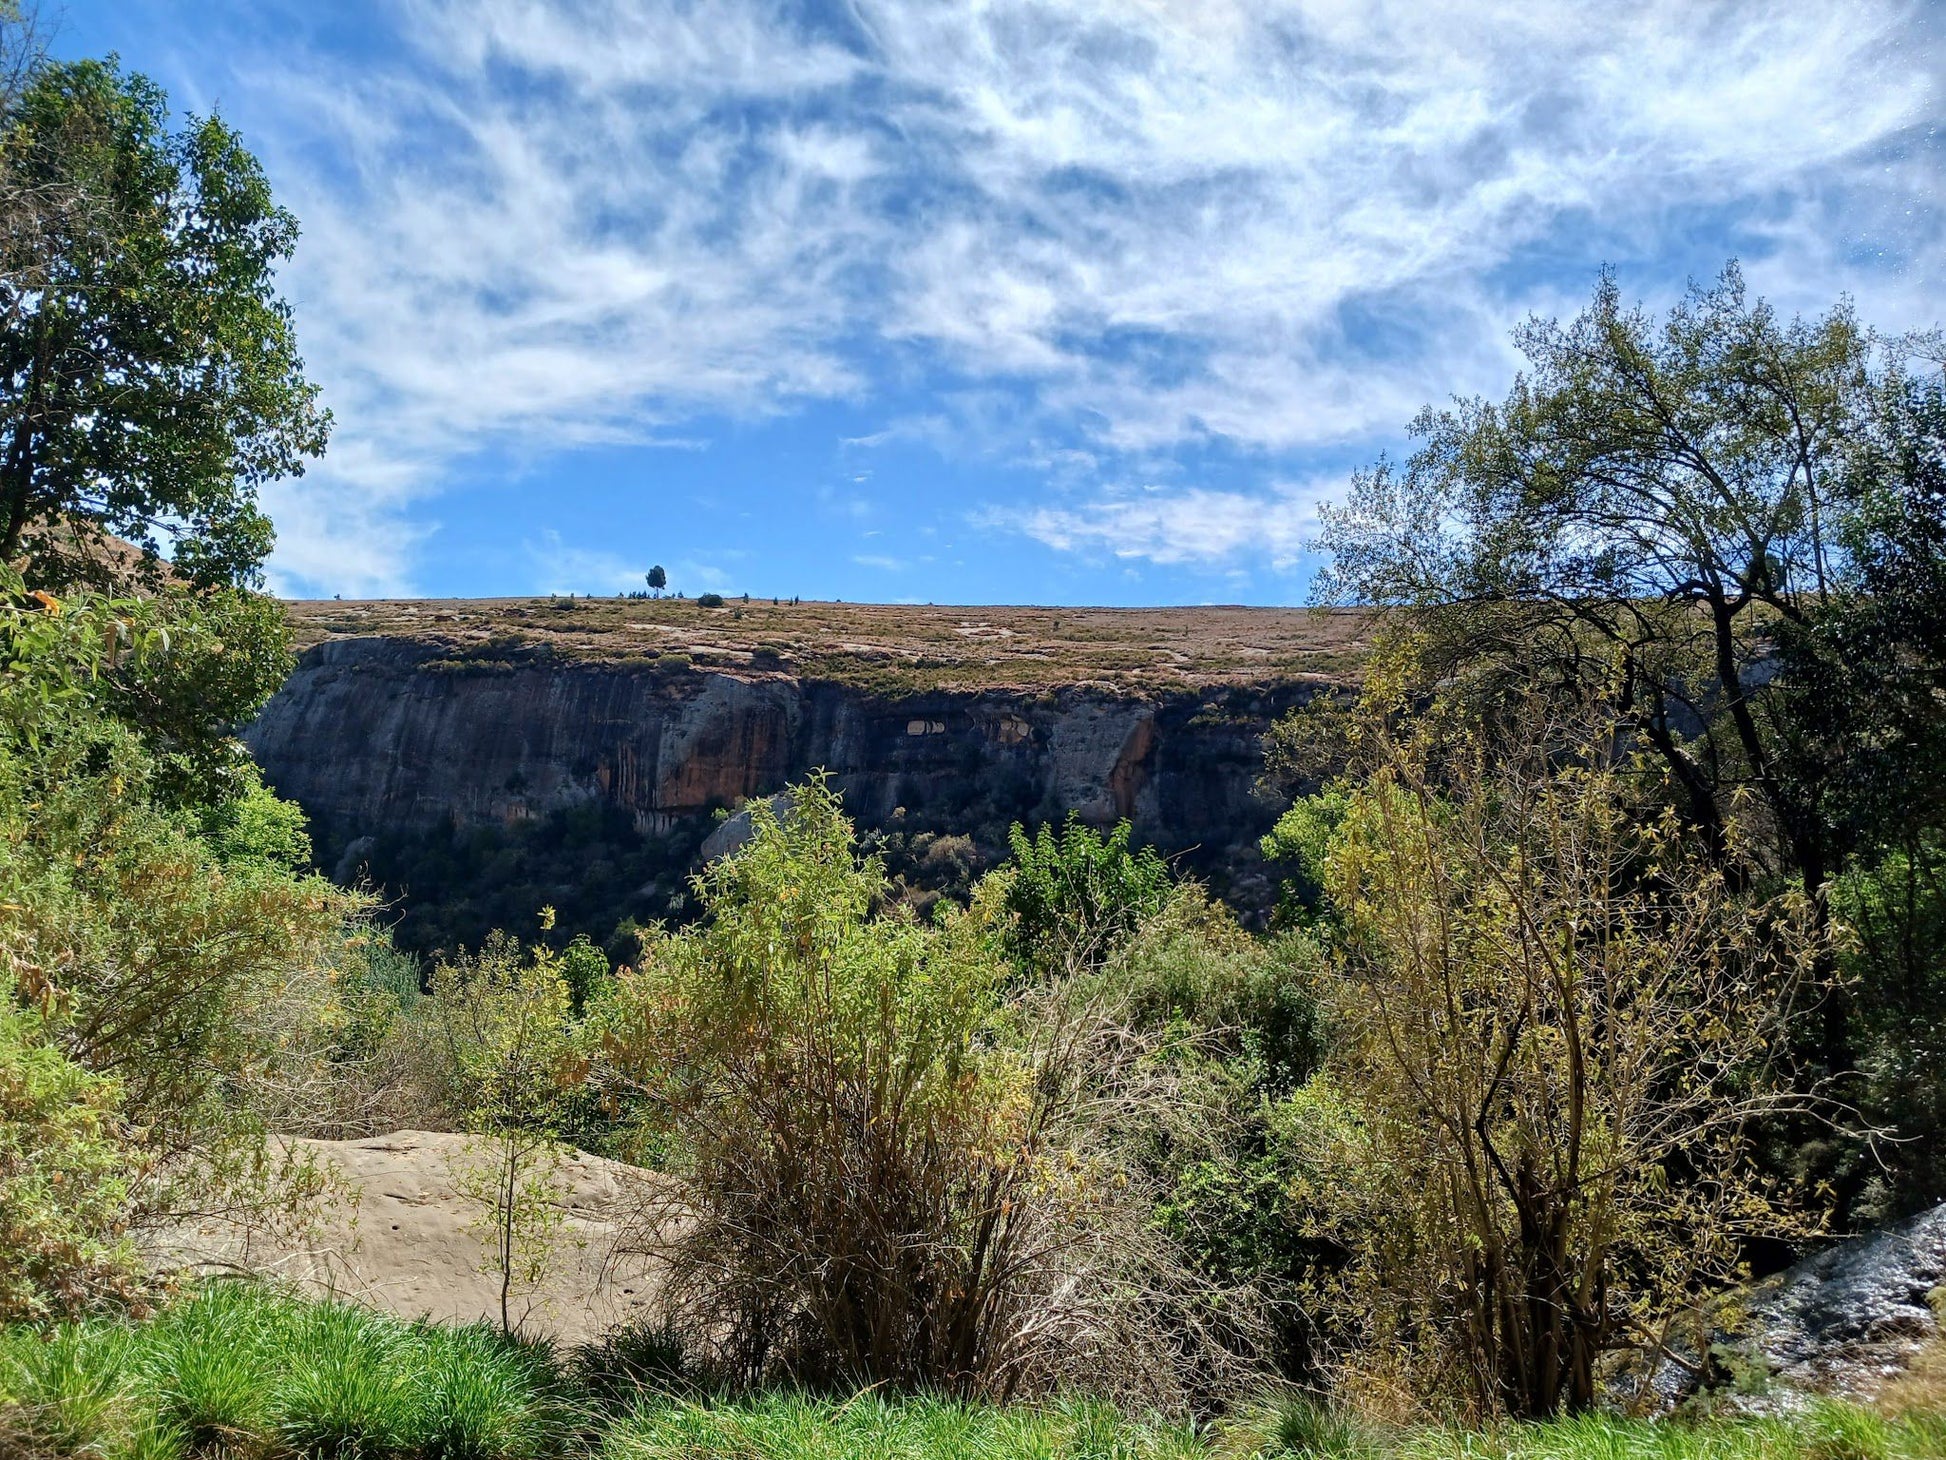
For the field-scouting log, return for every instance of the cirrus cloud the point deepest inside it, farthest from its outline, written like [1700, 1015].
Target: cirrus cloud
[1143, 227]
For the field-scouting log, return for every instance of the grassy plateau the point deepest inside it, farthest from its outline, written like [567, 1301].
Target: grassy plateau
[888, 648]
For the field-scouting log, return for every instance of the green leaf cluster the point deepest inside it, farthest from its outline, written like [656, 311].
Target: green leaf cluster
[1075, 895]
[152, 381]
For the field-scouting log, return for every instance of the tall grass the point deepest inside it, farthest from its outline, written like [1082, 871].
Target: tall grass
[1825, 1430]
[238, 1370]
[871, 1427]
[241, 1371]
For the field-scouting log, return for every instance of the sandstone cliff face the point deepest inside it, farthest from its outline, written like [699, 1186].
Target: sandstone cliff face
[382, 734]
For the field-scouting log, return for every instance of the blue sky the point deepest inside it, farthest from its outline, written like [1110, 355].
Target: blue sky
[1069, 301]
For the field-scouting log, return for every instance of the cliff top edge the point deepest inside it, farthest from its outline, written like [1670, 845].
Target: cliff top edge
[891, 648]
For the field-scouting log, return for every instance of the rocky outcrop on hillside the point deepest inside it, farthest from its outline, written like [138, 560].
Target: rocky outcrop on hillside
[380, 734]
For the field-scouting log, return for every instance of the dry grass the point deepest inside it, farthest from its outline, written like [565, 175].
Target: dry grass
[891, 648]
[1921, 1388]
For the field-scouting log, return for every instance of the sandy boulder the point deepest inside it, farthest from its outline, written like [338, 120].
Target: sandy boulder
[403, 1239]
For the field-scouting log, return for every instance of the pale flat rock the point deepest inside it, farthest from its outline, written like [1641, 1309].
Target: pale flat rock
[402, 1238]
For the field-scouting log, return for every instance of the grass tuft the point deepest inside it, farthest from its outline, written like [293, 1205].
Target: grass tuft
[67, 1389]
[637, 1360]
[203, 1363]
[346, 1392]
[1306, 1426]
[476, 1396]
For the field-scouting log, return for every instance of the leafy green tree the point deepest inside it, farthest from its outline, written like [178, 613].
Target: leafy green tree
[149, 376]
[1074, 895]
[1863, 686]
[1733, 525]
[1299, 842]
[658, 580]
[1652, 501]
[230, 650]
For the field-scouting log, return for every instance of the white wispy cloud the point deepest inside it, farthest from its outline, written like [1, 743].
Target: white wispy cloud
[1194, 525]
[1096, 228]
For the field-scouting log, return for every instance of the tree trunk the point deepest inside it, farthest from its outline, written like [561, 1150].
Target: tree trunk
[19, 467]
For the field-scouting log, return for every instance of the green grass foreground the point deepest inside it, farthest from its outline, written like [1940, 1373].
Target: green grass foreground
[242, 1371]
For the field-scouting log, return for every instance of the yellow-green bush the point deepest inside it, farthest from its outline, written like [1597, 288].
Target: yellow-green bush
[64, 1198]
[898, 1164]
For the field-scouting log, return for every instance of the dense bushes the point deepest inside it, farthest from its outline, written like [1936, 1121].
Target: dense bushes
[899, 1164]
[166, 969]
[64, 1177]
[1237, 1020]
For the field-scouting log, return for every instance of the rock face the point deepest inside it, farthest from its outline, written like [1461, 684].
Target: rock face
[1848, 1318]
[1847, 1321]
[402, 1237]
[381, 734]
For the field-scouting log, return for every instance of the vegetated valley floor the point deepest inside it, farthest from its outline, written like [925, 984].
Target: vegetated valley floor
[886, 648]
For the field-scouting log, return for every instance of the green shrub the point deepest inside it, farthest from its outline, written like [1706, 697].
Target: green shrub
[1190, 967]
[64, 1200]
[343, 1390]
[898, 1164]
[67, 1391]
[1308, 1426]
[1075, 896]
[504, 1017]
[390, 971]
[209, 1387]
[638, 1358]
[476, 1397]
